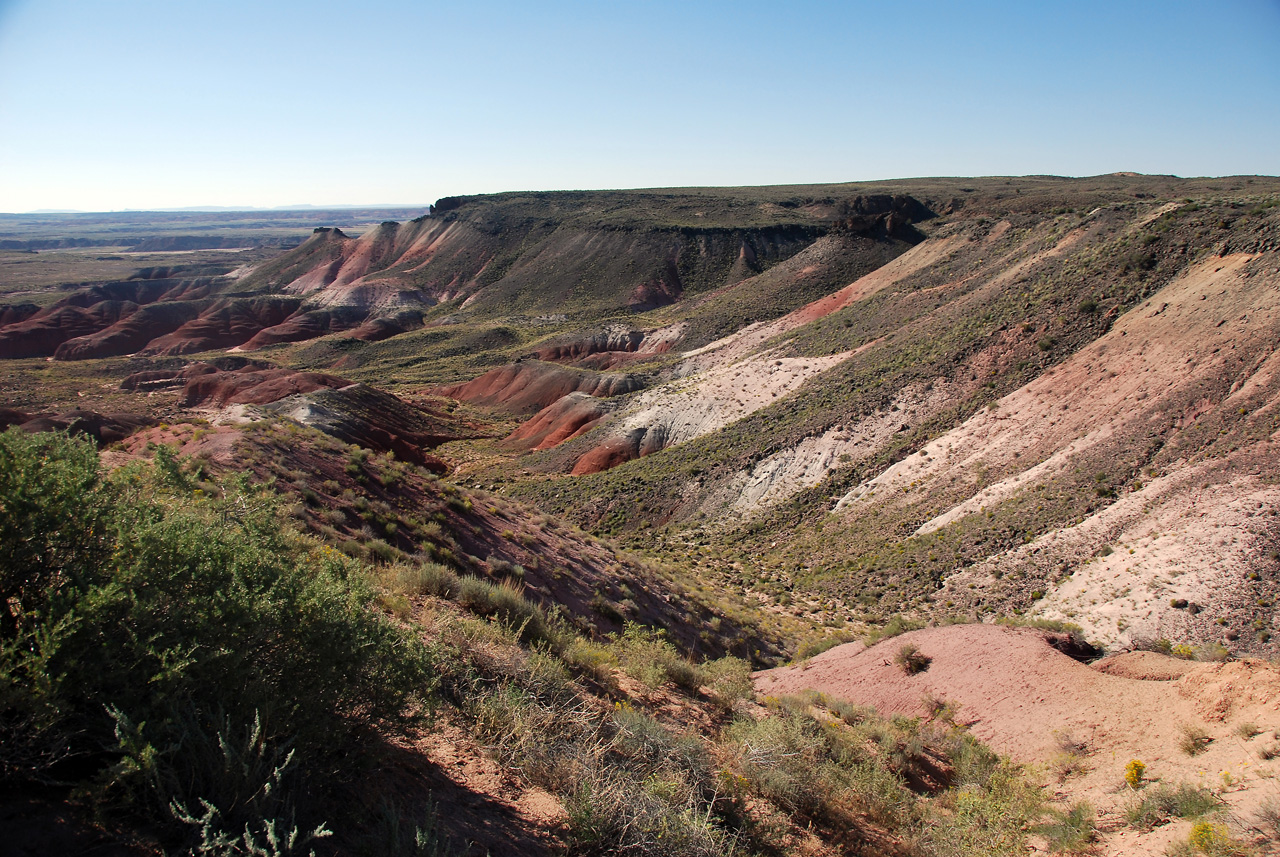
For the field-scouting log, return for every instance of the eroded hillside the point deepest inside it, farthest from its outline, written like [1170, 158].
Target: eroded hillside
[943, 396]
[600, 453]
[1066, 412]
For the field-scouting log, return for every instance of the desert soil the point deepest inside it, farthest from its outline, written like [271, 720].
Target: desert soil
[1024, 698]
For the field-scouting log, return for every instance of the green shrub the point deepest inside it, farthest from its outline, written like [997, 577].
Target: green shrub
[1156, 804]
[1070, 831]
[911, 660]
[1194, 739]
[823, 770]
[849, 712]
[503, 568]
[396, 833]
[428, 578]
[1210, 840]
[895, 626]
[186, 615]
[1267, 818]
[1248, 730]
[234, 792]
[781, 757]
[648, 657]
[651, 748]
[992, 820]
[817, 645]
[550, 740]
[729, 679]
[504, 601]
[54, 522]
[592, 659]
[611, 812]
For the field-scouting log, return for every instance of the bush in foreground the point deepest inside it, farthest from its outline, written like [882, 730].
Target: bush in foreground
[146, 626]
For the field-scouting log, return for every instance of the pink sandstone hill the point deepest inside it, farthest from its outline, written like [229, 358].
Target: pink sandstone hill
[1016, 691]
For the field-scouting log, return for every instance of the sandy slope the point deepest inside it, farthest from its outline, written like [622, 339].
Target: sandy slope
[730, 378]
[740, 343]
[1020, 695]
[1193, 531]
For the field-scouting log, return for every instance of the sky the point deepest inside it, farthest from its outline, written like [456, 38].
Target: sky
[136, 104]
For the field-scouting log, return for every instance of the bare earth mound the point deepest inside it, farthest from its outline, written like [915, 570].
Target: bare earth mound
[1023, 696]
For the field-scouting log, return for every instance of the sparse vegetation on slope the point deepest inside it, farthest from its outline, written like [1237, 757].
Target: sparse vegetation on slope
[818, 415]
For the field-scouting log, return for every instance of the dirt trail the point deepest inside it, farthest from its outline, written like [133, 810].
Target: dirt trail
[1020, 695]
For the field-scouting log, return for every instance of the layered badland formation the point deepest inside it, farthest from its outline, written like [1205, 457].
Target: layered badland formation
[764, 420]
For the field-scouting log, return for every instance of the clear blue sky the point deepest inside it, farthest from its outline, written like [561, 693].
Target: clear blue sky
[165, 103]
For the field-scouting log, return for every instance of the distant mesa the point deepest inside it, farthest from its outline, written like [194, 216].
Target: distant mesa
[532, 254]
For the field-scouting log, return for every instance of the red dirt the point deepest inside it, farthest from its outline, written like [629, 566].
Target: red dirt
[385, 327]
[298, 327]
[607, 455]
[247, 384]
[1145, 666]
[41, 334]
[528, 387]
[255, 387]
[628, 342]
[567, 418]
[374, 419]
[132, 333]
[1021, 696]
[225, 324]
[1014, 688]
[14, 313]
[611, 347]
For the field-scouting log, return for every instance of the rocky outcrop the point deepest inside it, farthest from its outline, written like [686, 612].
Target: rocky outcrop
[231, 381]
[610, 346]
[387, 326]
[611, 453]
[353, 413]
[372, 418]
[883, 216]
[214, 388]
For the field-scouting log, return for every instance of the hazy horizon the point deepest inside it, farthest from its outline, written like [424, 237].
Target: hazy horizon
[303, 206]
[151, 106]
